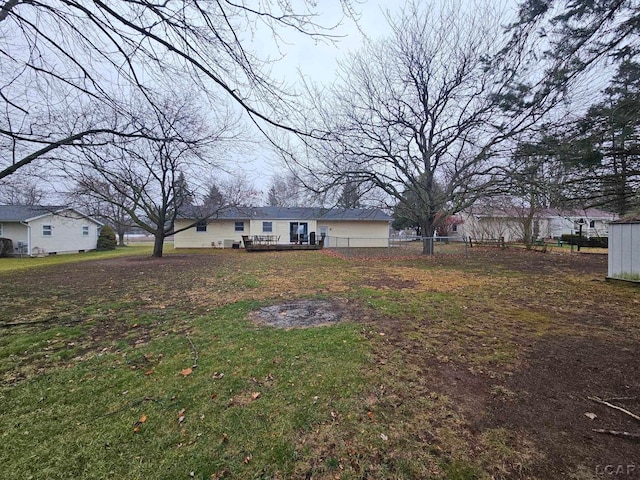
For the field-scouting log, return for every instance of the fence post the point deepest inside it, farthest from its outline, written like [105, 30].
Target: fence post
[348, 248]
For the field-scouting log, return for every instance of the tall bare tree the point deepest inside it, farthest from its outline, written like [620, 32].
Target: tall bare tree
[419, 115]
[105, 201]
[56, 57]
[146, 176]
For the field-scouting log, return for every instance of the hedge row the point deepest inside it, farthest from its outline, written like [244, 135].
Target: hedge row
[599, 242]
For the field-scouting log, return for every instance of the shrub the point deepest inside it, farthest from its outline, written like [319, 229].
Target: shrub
[6, 247]
[598, 242]
[107, 239]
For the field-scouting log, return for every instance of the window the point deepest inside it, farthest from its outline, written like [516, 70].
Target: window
[239, 227]
[201, 226]
[592, 224]
[85, 231]
[454, 227]
[0, 229]
[47, 230]
[267, 227]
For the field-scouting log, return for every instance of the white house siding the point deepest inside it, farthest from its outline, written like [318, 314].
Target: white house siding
[281, 228]
[624, 250]
[359, 233]
[16, 232]
[217, 232]
[66, 234]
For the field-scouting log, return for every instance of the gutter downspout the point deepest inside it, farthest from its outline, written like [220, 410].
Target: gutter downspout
[28, 237]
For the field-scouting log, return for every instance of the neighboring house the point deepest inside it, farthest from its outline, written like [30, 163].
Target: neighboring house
[362, 227]
[47, 230]
[624, 248]
[546, 223]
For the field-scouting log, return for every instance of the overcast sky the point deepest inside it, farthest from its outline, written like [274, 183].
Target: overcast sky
[317, 60]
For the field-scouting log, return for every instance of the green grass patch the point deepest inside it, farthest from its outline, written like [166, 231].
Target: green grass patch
[240, 411]
[14, 264]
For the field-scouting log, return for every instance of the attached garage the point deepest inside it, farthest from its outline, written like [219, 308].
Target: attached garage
[624, 249]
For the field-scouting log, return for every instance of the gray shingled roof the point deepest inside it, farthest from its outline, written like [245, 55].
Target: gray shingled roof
[21, 213]
[289, 213]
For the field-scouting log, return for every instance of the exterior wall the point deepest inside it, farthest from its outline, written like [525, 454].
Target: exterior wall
[624, 250]
[359, 233]
[66, 234]
[566, 226]
[280, 228]
[217, 232]
[17, 232]
[511, 228]
[490, 228]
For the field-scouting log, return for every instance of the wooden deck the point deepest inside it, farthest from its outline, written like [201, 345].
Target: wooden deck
[269, 243]
[281, 247]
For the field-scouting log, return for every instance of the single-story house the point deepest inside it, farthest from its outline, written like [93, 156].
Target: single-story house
[339, 226]
[547, 223]
[47, 230]
[624, 248]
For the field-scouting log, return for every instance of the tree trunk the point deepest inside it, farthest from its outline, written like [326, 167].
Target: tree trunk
[158, 244]
[427, 237]
[121, 234]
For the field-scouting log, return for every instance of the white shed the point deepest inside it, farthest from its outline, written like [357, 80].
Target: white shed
[624, 248]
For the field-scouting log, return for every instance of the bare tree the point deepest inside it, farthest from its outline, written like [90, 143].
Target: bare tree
[21, 190]
[58, 56]
[148, 174]
[105, 200]
[420, 115]
[239, 191]
[285, 190]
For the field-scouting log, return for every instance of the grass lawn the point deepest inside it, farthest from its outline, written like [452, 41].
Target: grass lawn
[461, 366]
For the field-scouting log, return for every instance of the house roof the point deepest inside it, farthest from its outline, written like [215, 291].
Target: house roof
[288, 213]
[635, 218]
[511, 212]
[25, 213]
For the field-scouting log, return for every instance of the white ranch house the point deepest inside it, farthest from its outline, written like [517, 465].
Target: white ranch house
[549, 223]
[363, 227]
[48, 230]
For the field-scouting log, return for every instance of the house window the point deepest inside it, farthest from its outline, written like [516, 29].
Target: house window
[0, 229]
[592, 224]
[454, 227]
[267, 227]
[47, 230]
[239, 226]
[85, 231]
[201, 226]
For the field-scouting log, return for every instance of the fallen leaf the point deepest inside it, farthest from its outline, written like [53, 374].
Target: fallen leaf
[138, 424]
[218, 375]
[370, 414]
[590, 415]
[225, 438]
[180, 419]
[384, 437]
[186, 372]
[255, 395]
[148, 372]
[247, 459]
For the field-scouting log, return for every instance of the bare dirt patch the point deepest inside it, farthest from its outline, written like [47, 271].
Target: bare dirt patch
[300, 314]
[549, 400]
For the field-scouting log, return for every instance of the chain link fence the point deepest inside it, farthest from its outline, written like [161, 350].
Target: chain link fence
[398, 246]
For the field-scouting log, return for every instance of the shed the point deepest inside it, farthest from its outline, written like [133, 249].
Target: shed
[624, 248]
